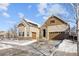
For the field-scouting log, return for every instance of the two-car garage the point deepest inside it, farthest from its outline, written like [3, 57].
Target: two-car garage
[56, 35]
[52, 35]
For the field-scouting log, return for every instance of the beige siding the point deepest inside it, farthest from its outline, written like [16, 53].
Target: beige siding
[54, 24]
[30, 29]
[24, 29]
[27, 29]
[57, 28]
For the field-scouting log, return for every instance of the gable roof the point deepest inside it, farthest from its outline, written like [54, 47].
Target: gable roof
[30, 23]
[60, 19]
[56, 18]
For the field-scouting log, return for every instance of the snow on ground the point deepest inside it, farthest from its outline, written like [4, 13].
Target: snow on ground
[18, 42]
[4, 46]
[68, 46]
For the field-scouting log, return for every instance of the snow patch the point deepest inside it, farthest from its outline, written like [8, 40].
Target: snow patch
[30, 42]
[4, 46]
[20, 43]
[68, 46]
[32, 22]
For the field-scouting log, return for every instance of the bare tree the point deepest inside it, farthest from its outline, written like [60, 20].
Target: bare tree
[8, 34]
[14, 32]
[77, 25]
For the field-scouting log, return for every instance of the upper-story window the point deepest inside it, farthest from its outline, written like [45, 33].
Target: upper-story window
[52, 21]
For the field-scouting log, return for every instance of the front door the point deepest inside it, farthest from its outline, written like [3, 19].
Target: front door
[44, 32]
[33, 35]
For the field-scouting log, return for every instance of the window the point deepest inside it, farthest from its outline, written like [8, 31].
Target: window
[22, 33]
[52, 21]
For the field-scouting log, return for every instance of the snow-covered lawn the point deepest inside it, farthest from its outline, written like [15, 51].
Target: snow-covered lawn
[18, 42]
[68, 46]
[4, 46]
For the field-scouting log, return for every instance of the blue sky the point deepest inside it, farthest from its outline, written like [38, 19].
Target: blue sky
[11, 14]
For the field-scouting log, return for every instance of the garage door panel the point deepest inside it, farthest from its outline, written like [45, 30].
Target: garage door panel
[52, 35]
[56, 35]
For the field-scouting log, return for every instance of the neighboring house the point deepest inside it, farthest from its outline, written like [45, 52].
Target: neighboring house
[72, 33]
[54, 28]
[2, 34]
[27, 29]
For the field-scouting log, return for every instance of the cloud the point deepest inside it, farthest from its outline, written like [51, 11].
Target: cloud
[30, 6]
[47, 10]
[37, 15]
[57, 9]
[21, 15]
[46, 17]
[41, 8]
[4, 9]
[6, 14]
[4, 6]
